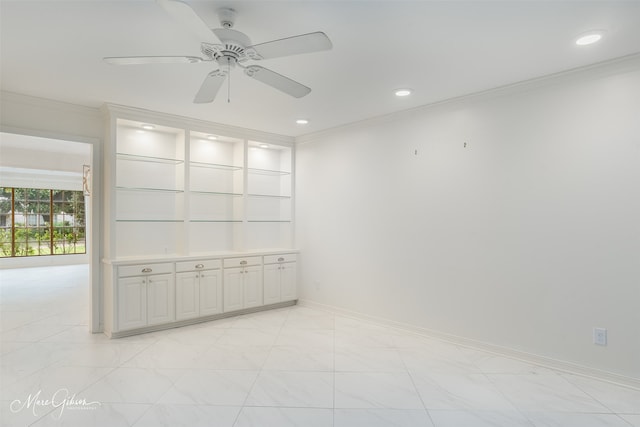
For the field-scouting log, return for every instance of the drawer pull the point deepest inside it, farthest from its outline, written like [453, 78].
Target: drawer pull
[243, 262]
[199, 265]
[280, 259]
[147, 270]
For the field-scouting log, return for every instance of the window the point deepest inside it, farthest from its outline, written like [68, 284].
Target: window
[37, 222]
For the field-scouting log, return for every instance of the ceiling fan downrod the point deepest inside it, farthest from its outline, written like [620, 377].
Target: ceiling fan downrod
[228, 80]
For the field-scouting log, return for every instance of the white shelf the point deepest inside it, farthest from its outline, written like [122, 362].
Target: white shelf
[152, 190]
[150, 220]
[216, 193]
[273, 196]
[148, 159]
[268, 172]
[215, 166]
[216, 221]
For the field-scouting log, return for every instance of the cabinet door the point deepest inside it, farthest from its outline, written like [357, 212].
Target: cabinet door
[288, 282]
[187, 295]
[132, 303]
[233, 293]
[210, 292]
[160, 299]
[271, 284]
[253, 287]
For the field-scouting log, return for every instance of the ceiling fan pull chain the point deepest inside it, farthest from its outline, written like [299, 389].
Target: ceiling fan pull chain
[228, 80]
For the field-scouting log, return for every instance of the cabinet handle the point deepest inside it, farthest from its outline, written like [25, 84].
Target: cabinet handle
[199, 265]
[280, 259]
[243, 262]
[147, 270]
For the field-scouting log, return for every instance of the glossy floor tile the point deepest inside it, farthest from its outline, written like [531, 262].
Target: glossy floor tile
[294, 366]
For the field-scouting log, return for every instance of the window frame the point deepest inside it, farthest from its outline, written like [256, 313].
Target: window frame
[64, 233]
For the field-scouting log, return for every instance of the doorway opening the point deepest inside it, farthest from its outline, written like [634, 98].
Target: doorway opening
[30, 166]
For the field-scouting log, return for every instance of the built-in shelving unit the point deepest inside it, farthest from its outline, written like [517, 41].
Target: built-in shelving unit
[195, 214]
[181, 187]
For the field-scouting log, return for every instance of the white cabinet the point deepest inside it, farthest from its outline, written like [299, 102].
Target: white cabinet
[280, 278]
[132, 303]
[145, 296]
[242, 283]
[288, 282]
[210, 292]
[198, 289]
[253, 287]
[187, 295]
[160, 299]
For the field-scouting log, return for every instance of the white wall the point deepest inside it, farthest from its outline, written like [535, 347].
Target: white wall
[527, 238]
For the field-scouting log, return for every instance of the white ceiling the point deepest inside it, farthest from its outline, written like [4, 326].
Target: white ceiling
[441, 49]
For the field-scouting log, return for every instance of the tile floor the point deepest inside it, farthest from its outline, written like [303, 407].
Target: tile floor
[289, 367]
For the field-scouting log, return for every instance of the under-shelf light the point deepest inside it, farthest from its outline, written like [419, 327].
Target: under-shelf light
[302, 121]
[148, 127]
[212, 137]
[264, 145]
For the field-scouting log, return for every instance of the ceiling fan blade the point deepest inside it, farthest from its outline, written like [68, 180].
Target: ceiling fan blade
[277, 81]
[210, 87]
[184, 14]
[136, 60]
[305, 43]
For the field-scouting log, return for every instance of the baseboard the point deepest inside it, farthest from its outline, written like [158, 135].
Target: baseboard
[548, 362]
[196, 320]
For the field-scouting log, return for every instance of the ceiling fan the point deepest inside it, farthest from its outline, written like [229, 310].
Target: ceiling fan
[230, 48]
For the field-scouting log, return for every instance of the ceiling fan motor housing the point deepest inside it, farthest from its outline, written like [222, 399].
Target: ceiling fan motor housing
[232, 49]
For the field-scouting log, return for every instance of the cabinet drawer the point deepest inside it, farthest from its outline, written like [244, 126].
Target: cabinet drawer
[204, 264]
[242, 262]
[274, 259]
[141, 269]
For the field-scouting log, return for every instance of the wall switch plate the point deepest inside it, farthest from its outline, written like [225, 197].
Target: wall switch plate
[600, 336]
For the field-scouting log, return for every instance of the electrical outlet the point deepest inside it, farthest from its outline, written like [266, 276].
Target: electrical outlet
[600, 336]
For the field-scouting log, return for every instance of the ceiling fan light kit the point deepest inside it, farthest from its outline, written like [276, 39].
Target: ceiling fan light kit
[229, 48]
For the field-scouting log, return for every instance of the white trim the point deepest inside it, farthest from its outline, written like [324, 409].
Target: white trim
[194, 321]
[535, 359]
[40, 178]
[181, 122]
[611, 66]
[93, 209]
[43, 261]
[34, 101]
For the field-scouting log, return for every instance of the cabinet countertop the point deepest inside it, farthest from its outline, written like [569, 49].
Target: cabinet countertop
[211, 255]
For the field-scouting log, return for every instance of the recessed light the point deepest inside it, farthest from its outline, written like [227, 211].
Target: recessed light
[148, 127]
[403, 92]
[589, 38]
[264, 145]
[212, 137]
[302, 121]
